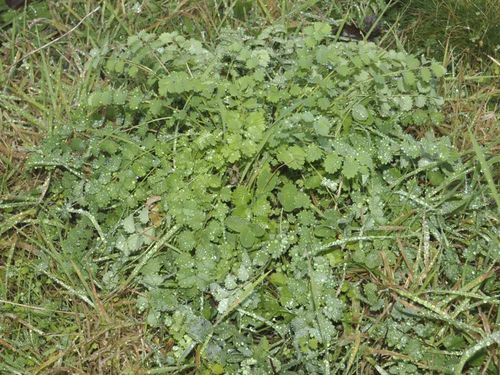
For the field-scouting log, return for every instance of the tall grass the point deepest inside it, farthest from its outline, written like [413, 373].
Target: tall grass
[469, 29]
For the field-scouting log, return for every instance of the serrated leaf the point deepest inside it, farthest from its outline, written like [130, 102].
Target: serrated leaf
[351, 168]
[101, 98]
[259, 58]
[333, 162]
[175, 83]
[109, 146]
[119, 97]
[129, 224]
[426, 74]
[144, 215]
[278, 279]
[322, 126]
[420, 101]
[241, 196]
[438, 69]
[308, 116]
[237, 224]
[291, 198]
[409, 78]
[134, 242]
[313, 153]
[318, 30]
[412, 62]
[342, 70]
[186, 240]
[294, 157]
[405, 103]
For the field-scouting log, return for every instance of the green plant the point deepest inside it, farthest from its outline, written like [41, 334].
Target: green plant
[236, 187]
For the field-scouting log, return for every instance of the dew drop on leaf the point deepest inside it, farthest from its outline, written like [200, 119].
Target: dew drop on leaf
[359, 112]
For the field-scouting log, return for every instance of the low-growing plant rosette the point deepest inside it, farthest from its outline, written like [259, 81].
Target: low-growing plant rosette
[264, 196]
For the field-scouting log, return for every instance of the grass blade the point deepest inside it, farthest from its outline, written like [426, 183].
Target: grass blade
[485, 169]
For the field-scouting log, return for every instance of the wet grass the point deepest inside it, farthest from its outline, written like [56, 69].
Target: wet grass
[61, 325]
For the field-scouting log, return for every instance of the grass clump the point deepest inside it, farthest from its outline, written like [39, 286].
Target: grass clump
[468, 29]
[270, 201]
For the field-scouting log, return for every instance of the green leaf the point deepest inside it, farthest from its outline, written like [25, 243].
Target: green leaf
[100, 98]
[409, 78]
[412, 62]
[120, 97]
[186, 241]
[342, 70]
[291, 198]
[247, 239]
[333, 162]
[313, 153]
[128, 224]
[109, 146]
[134, 242]
[259, 58]
[351, 168]
[294, 157]
[426, 74]
[144, 215]
[438, 69]
[278, 279]
[237, 224]
[420, 101]
[359, 112]
[241, 196]
[318, 30]
[266, 180]
[322, 126]
[176, 82]
[405, 103]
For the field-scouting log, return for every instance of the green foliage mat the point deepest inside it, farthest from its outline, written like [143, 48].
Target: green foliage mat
[267, 199]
